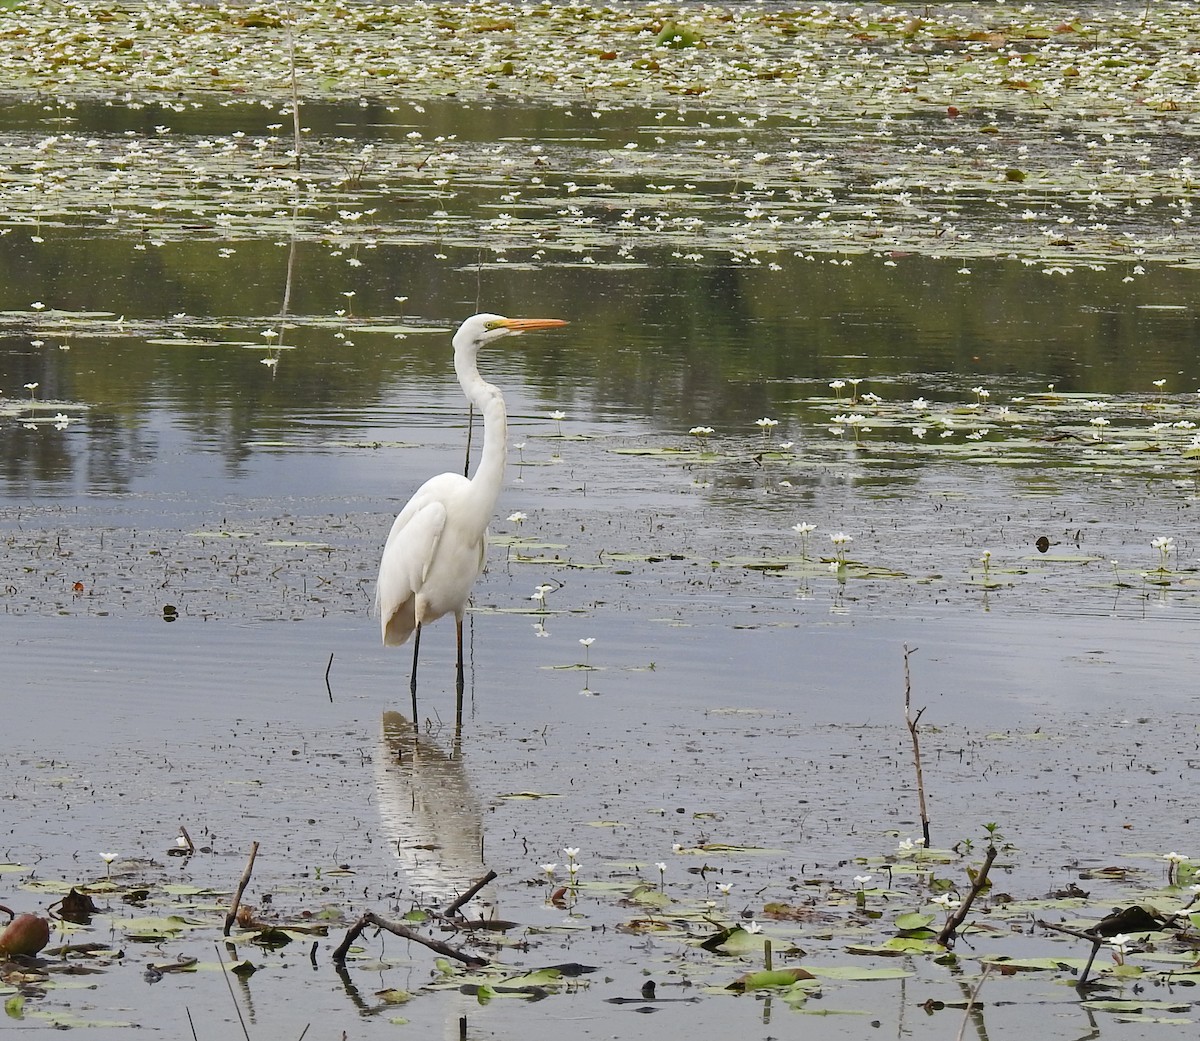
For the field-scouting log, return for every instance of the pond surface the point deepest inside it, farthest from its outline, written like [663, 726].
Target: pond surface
[222, 378]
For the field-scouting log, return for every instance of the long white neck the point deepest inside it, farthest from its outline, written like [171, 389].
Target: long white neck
[489, 474]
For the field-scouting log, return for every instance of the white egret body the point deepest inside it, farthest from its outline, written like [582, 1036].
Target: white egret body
[438, 542]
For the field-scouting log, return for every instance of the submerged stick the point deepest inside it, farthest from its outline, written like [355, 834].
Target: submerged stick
[453, 908]
[231, 917]
[980, 883]
[911, 722]
[1096, 941]
[371, 918]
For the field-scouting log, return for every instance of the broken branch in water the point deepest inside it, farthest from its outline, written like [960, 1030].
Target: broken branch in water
[371, 918]
[912, 721]
[453, 908]
[1092, 938]
[231, 917]
[184, 846]
[980, 883]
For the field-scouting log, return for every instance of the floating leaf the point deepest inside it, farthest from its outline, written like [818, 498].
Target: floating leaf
[536, 978]
[913, 921]
[1000, 961]
[1134, 1005]
[764, 978]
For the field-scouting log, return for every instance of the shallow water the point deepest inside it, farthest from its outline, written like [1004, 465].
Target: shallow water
[189, 557]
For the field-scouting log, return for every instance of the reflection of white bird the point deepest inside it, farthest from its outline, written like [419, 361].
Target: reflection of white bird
[430, 814]
[436, 548]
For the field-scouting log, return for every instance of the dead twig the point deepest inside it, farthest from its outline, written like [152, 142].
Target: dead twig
[231, 917]
[371, 918]
[911, 722]
[453, 908]
[980, 884]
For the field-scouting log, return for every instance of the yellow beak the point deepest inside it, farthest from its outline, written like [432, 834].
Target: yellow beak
[522, 325]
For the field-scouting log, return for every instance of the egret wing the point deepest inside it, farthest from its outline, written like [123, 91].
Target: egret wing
[409, 552]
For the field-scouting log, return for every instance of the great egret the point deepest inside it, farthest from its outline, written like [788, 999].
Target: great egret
[438, 542]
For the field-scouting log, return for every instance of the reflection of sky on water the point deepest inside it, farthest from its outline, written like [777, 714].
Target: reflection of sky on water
[419, 431]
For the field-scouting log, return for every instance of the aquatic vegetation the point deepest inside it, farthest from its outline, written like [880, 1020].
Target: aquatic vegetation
[750, 140]
[840, 541]
[985, 132]
[1164, 544]
[1175, 863]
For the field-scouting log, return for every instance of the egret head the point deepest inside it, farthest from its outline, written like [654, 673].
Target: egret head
[482, 329]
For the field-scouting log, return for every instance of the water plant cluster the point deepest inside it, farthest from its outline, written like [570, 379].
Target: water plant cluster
[704, 918]
[1122, 434]
[917, 500]
[1055, 137]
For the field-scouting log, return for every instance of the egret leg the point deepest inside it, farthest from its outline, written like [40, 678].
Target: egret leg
[412, 686]
[459, 682]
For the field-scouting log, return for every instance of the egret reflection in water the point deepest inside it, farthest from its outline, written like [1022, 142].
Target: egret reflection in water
[430, 814]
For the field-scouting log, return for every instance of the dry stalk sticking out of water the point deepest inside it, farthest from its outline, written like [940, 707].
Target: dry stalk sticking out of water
[911, 722]
[231, 917]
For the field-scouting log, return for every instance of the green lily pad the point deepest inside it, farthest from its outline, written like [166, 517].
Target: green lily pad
[765, 979]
